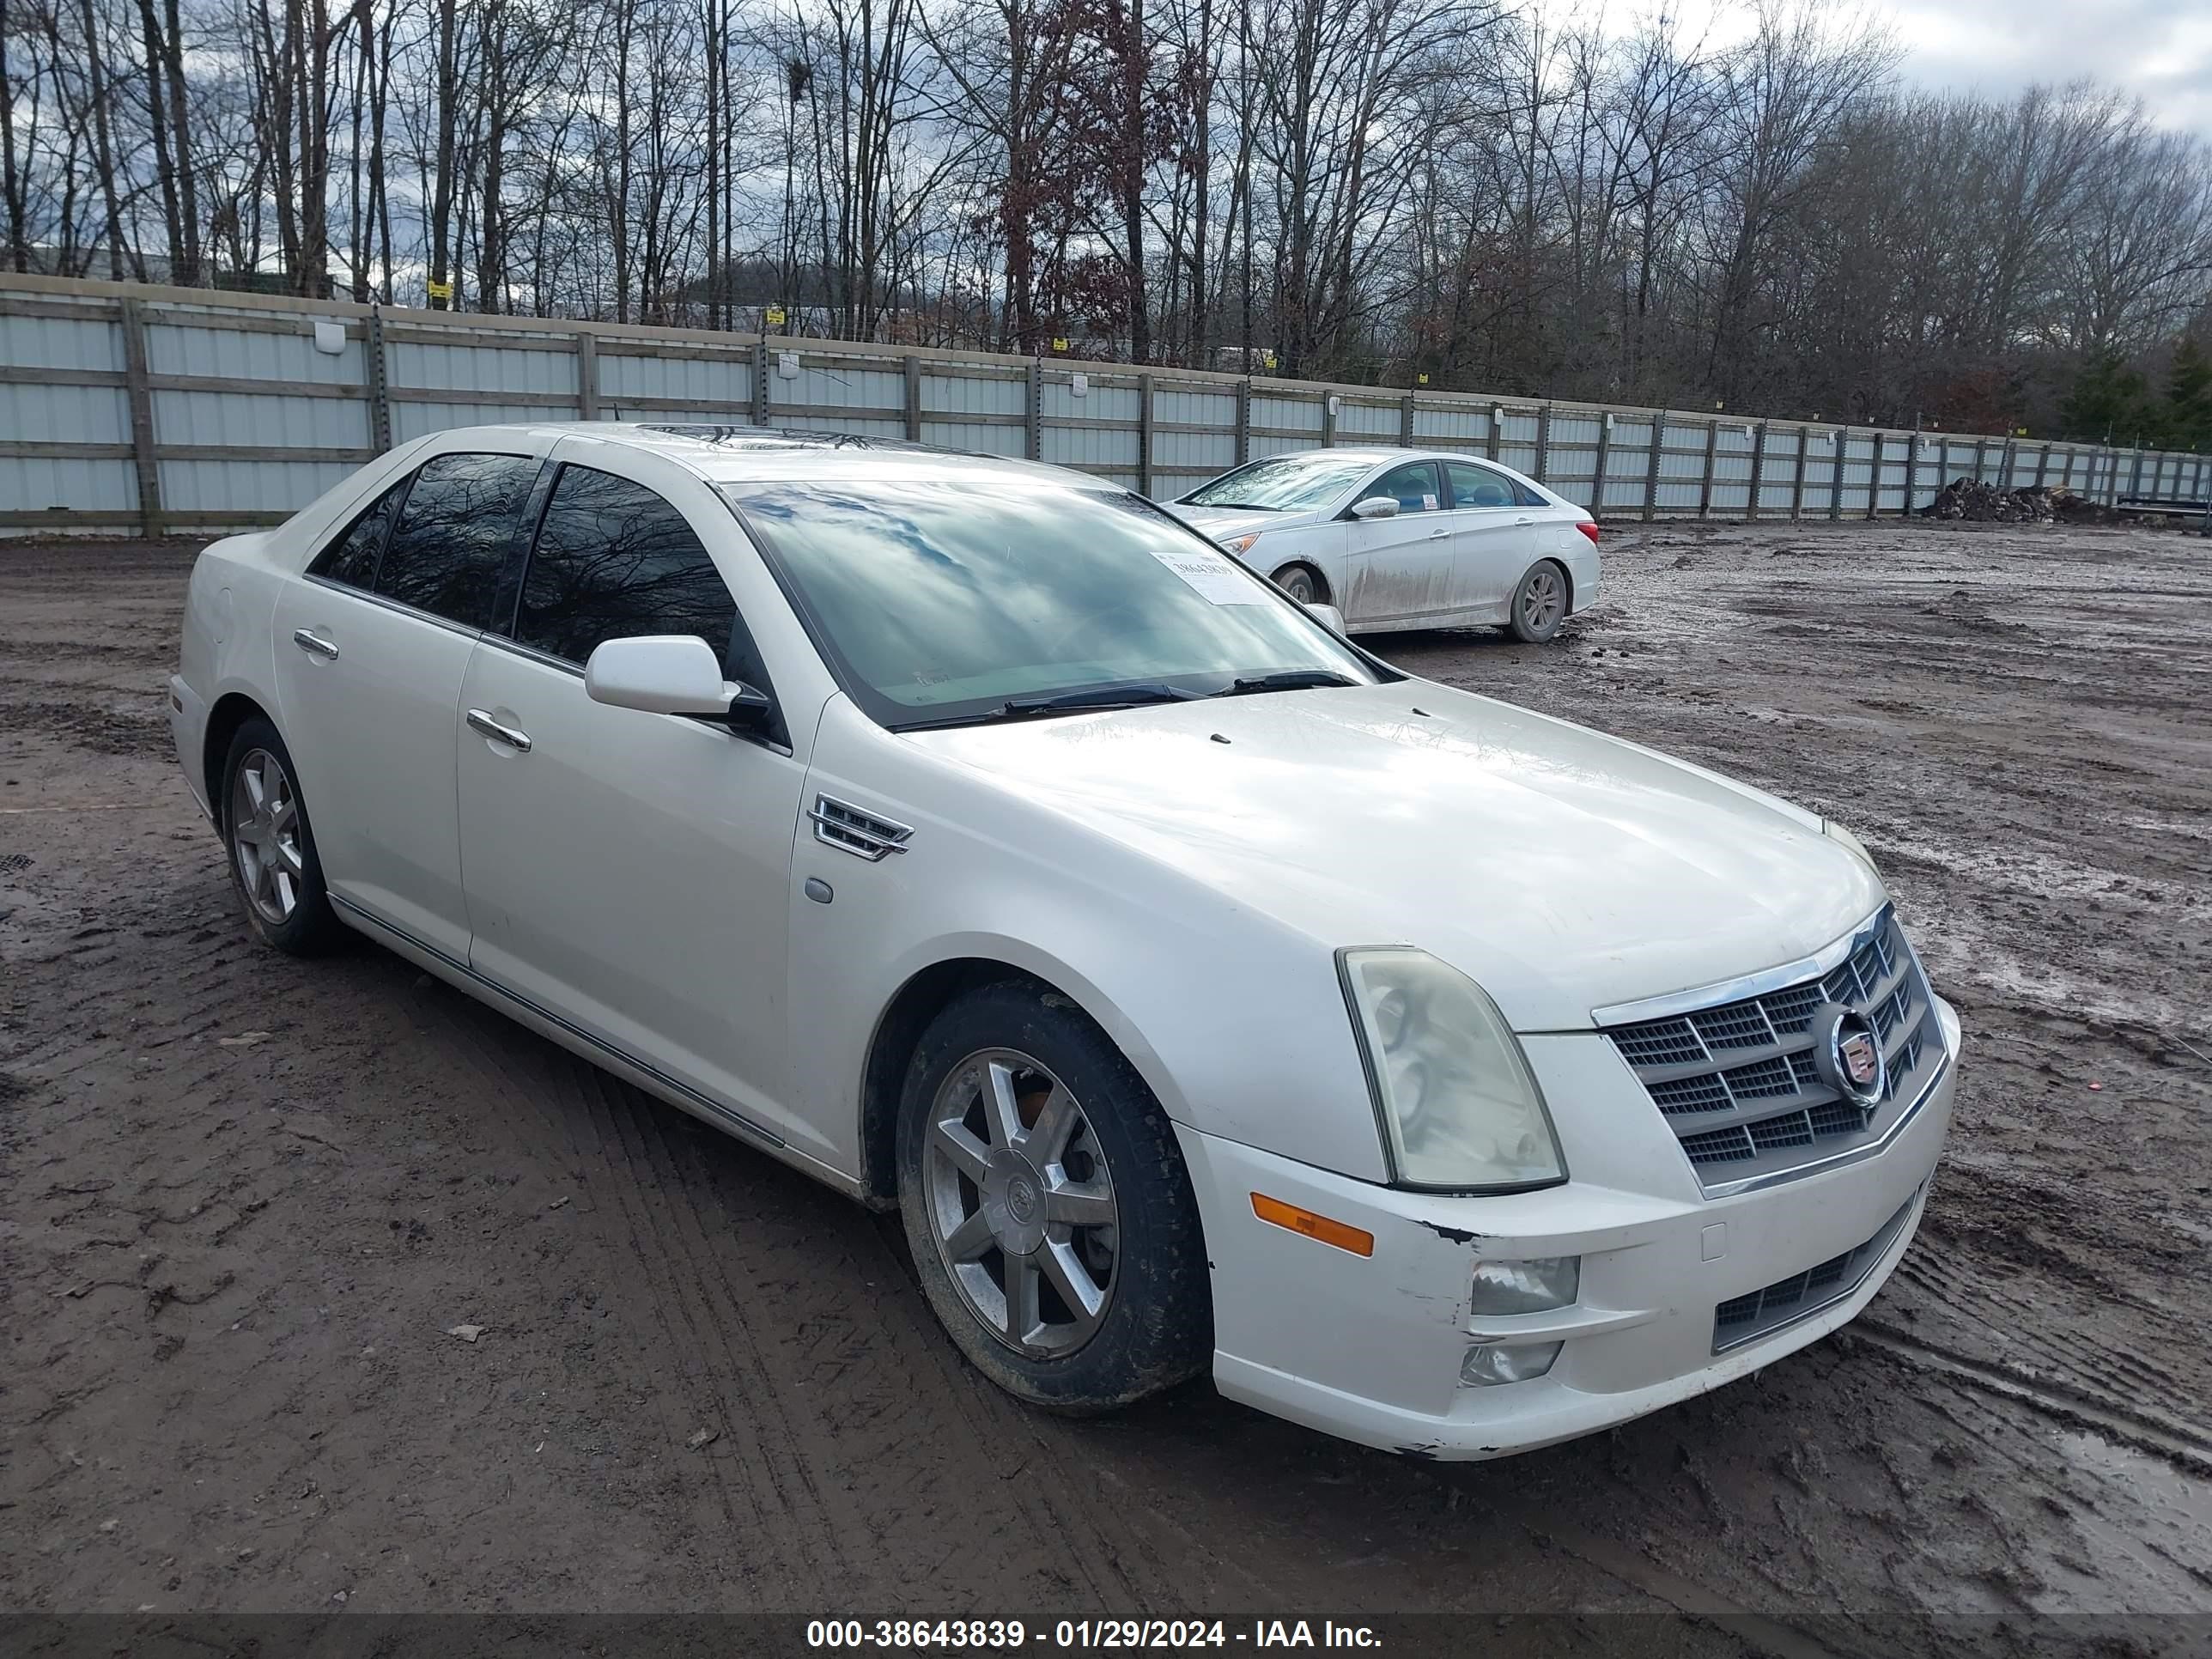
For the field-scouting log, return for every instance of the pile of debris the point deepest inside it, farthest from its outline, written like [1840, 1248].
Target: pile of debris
[1986, 503]
[1989, 503]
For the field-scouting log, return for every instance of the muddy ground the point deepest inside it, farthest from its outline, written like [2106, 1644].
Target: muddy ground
[243, 1198]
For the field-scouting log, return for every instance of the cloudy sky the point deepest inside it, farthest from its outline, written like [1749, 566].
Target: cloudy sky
[2159, 50]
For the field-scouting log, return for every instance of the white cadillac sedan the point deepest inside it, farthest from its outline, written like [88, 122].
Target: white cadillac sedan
[1398, 538]
[1205, 994]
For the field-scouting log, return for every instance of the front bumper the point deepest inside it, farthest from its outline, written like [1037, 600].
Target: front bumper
[1370, 1348]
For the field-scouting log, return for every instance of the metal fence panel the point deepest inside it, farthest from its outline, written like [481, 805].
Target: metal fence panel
[125, 407]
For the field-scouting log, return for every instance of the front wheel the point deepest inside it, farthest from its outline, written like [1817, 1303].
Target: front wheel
[1299, 581]
[1047, 1205]
[1540, 604]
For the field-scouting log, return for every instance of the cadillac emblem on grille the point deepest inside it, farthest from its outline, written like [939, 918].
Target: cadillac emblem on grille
[1849, 1053]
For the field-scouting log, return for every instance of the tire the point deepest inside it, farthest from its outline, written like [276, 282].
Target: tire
[1301, 583]
[270, 847]
[1540, 603]
[1092, 1126]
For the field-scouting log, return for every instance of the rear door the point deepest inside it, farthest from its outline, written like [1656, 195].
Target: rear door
[1399, 569]
[371, 647]
[1495, 534]
[630, 873]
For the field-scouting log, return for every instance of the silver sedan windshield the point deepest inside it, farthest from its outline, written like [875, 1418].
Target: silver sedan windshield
[939, 601]
[1282, 483]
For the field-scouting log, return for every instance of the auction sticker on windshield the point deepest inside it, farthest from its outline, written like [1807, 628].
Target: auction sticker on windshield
[1213, 574]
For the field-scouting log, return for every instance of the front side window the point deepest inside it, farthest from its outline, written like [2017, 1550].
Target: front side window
[454, 534]
[1478, 486]
[1413, 484]
[352, 558]
[1281, 483]
[938, 601]
[614, 560]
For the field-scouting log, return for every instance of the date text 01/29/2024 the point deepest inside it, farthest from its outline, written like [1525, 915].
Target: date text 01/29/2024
[1003, 1635]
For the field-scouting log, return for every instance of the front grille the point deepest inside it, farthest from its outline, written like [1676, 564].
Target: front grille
[1746, 1318]
[1738, 1083]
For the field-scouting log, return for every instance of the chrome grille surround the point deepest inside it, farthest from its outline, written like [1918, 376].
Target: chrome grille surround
[1732, 1068]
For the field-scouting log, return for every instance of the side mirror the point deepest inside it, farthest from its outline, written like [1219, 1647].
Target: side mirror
[671, 674]
[1376, 507]
[1327, 616]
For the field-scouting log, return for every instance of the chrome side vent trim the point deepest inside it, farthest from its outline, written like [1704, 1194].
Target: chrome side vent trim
[846, 826]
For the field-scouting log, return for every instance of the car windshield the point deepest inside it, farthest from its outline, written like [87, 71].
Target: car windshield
[942, 603]
[1282, 483]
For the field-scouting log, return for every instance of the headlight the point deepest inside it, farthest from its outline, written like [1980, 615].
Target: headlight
[1241, 544]
[1836, 832]
[1459, 1106]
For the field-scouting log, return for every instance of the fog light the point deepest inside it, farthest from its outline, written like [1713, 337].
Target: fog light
[1519, 1287]
[1507, 1362]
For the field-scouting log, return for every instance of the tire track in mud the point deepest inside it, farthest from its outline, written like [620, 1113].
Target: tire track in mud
[817, 1435]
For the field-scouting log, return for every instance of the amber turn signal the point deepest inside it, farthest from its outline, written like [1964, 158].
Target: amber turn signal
[1313, 1226]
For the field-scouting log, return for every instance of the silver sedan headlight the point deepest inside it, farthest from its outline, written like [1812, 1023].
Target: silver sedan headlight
[1460, 1108]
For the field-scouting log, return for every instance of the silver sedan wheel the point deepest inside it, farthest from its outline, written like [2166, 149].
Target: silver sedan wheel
[265, 836]
[1021, 1203]
[1297, 581]
[1542, 598]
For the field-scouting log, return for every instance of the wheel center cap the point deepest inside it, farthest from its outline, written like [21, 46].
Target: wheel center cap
[1013, 1202]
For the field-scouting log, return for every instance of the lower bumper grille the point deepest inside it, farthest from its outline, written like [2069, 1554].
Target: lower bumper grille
[1762, 1312]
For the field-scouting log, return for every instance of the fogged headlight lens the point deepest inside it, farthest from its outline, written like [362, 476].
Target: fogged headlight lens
[1836, 832]
[1537, 1285]
[1459, 1105]
[1241, 544]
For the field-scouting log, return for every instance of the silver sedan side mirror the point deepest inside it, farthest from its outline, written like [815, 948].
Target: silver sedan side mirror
[1376, 507]
[1327, 615]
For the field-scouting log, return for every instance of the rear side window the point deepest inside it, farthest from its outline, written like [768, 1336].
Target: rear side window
[613, 561]
[352, 558]
[1478, 486]
[454, 534]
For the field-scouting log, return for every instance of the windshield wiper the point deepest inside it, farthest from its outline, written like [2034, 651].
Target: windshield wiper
[1239, 506]
[1098, 697]
[1061, 703]
[1289, 679]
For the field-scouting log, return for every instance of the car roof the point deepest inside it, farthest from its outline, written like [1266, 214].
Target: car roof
[734, 453]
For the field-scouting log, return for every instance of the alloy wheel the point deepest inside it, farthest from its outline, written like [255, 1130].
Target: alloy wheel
[1543, 596]
[264, 835]
[1020, 1203]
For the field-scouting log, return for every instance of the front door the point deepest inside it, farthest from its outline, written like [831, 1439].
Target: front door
[629, 873]
[372, 645]
[1401, 568]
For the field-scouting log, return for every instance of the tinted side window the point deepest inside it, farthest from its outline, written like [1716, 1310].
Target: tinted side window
[352, 558]
[454, 534]
[613, 561]
[1414, 484]
[1478, 486]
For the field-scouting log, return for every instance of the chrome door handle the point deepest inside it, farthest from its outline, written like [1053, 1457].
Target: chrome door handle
[518, 741]
[1524, 518]
[1438, 535]
[307, 640]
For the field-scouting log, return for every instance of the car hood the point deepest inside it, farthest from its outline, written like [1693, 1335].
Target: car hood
[1562, 869]
[1223, 522]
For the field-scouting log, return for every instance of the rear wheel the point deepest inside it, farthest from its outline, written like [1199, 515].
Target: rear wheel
[1047, 1206]
[1300, 582]
[1540, 604]
[272, 846]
